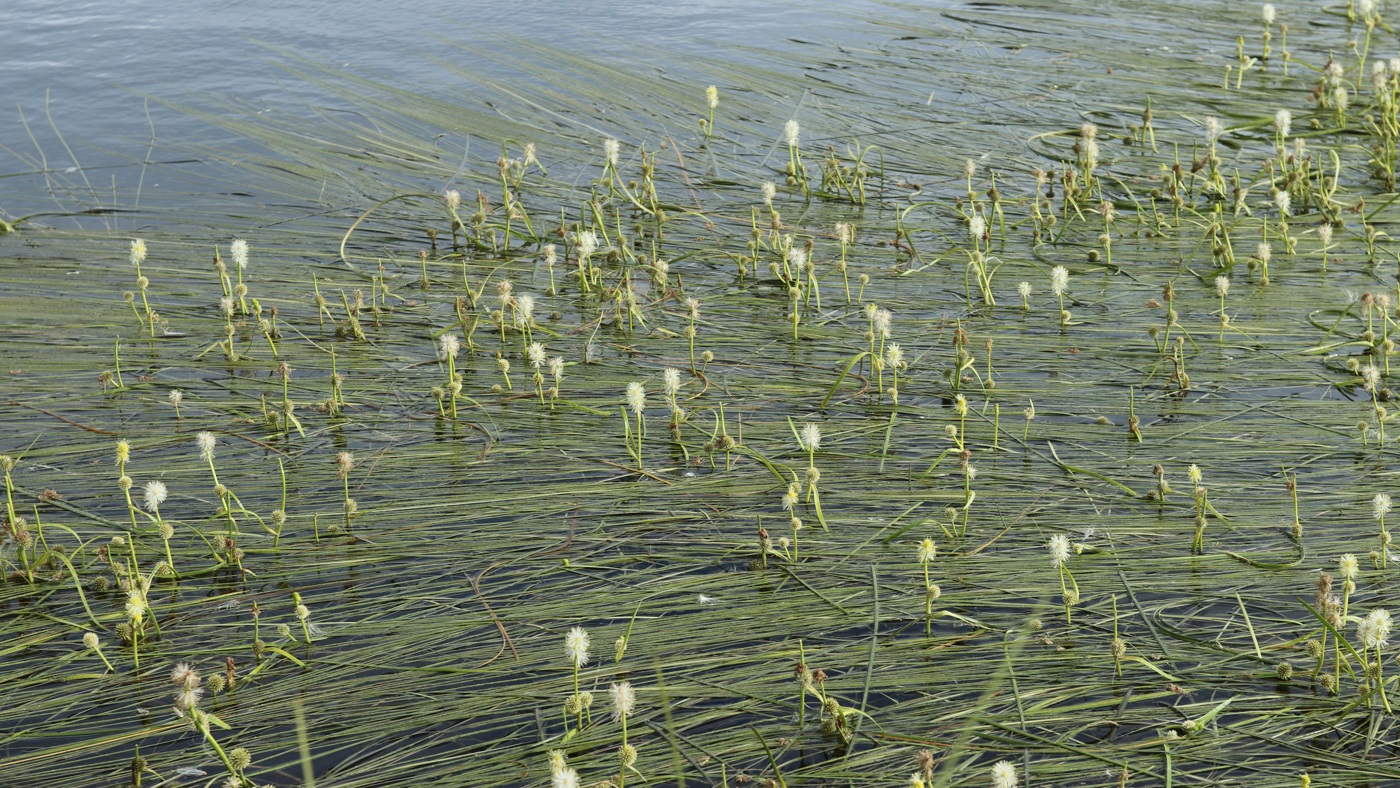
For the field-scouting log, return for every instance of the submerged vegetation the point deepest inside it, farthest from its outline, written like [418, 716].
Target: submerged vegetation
[756, 422]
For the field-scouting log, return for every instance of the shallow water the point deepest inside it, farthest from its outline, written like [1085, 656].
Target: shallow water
[438, 650]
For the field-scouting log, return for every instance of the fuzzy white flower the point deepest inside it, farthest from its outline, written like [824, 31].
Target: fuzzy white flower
[1374, 629]
[453, 198]
[1059, 549]
[1348, 567]
[1283, 122]
[138, 251]
[587, 243]
[1024, 289]
[612, 150]
[927, 551]
[556, 368]
[1284, 201]
[1059, 280]
[1380, 505]
[1004, 775]
[1371, 377]
[1213, 129]
[811, 437]
[449, 345]
[565, 778]
[155, 495]
[882, 320]
[535, 354]
[1222, 286]
[790, 133]
[205, 441]
[624, 699]
[976, 227]
[239, 250]
[671, 381]
[712, 96]
[769, 191]
[576, 646]
[636, 398]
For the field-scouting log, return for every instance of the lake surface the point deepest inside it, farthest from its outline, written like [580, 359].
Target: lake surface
[855, 450]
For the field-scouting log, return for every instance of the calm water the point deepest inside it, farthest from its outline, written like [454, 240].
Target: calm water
[96, 62]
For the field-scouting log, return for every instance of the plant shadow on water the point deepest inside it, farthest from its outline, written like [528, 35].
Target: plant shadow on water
[977, 398]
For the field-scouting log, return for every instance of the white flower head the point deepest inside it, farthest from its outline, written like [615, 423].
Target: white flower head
[1059, 280]
[535, 354]
[790, 133]
[449, 345]
[1324, 234]
[883, 320]
[811, 437]
[636, 398]
[1004, 775]
[1268, 13]
[138, 251]
[565, 778]
[1024, 289]
[977, 227]
[612, 150]
[769, 191]
[155, 495]
[1374, 629]
[556, 368]
[205, 441]
[1380, 505]
[797, 258]
[1059, 549]
[1213, 129]
[239, 250]
[576, 646]
[624, 699]
[453, 198]
[551, 254]
[1371, 379]
[671, 380]
[1348, 567]
[1222, 285]
[927, 551]
[1283, 122]
[587, 243]
[712, 96]
[1284, 201]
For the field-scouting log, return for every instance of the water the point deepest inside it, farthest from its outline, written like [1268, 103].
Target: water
[443, 569]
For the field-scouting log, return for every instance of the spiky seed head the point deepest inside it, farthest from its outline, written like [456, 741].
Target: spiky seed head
[90, 641]
[123, 452]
